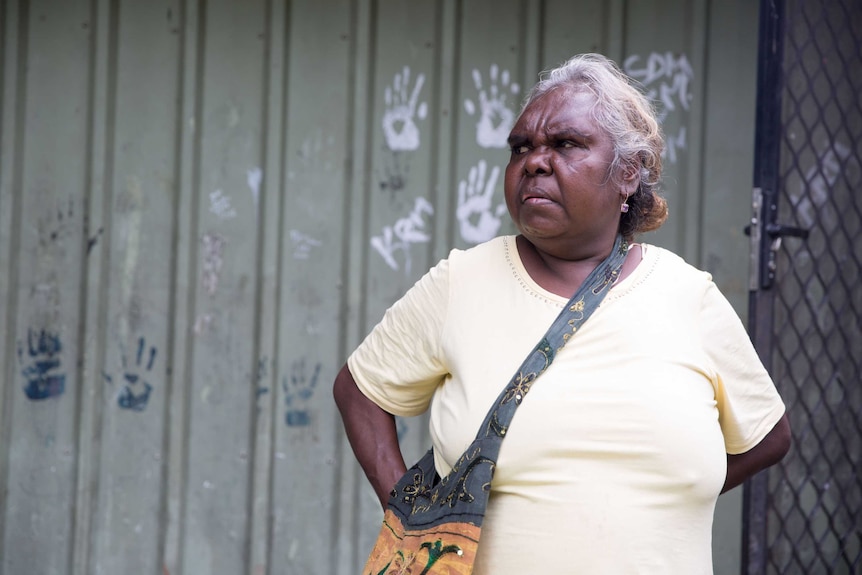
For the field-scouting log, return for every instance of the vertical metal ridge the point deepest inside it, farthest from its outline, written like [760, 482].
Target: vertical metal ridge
[169, 543]
[531, 40]
[450, 55]
[14, 162]
[434, 192]
[268, 293]
[184, 270]
[279, 184]
[368, 167]
[615, 29]
[355, 258]
[97, 201]
[3, 122]
[699, 182]
[351, 174]
[365, 253]
[347, 265]
[540, 47]
[692, 240]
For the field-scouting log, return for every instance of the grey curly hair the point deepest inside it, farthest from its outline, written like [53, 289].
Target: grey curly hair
[629, 118]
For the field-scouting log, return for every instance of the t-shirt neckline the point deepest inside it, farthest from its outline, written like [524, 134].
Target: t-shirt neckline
[649, 253]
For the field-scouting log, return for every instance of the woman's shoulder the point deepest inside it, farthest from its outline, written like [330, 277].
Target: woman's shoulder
[496, 245]
[490, 267]
[666, 271]
[668, 262]
[482, 257]
[476, 265]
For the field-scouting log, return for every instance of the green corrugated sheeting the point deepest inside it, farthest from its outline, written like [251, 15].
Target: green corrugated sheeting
[206, 205]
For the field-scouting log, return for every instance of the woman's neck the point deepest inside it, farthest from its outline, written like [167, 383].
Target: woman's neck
[563, 276]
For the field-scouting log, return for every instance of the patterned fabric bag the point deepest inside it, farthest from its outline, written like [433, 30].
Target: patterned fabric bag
[431, 525]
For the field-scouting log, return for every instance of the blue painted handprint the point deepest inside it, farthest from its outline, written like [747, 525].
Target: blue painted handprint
[136, 392]
[41, 365]
[297, 392]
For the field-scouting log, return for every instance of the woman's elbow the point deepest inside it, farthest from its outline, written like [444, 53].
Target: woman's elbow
[782, 438]
[343, 388]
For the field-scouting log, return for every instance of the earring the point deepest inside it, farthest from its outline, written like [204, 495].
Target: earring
[624, 208]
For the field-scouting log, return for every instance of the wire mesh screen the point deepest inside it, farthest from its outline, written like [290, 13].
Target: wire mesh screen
[814, 514]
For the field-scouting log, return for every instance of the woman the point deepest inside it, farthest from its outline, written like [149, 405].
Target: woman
[614, 462]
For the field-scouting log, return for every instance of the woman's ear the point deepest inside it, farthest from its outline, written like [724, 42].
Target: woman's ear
[631, 180]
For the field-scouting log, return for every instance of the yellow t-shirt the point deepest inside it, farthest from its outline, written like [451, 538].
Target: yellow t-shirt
[615, 459]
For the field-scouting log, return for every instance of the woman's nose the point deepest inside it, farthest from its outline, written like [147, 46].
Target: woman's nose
[538, 161]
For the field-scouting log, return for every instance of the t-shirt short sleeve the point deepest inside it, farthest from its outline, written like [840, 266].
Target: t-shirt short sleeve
[748, 403]
[399, 364]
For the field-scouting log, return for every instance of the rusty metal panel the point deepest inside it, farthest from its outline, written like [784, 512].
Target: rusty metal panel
[204, 206]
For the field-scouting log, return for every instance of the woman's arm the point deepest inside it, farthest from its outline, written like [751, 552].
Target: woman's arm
[768, 452]
[372, 435]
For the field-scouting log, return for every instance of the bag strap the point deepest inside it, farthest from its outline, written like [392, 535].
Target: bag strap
[420, 500]
[579, 308]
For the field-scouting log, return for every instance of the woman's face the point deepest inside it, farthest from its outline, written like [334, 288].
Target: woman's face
[559, 189]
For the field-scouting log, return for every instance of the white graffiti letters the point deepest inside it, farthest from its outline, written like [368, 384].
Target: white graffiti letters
[478, 222]
[302, 244]
[666, 78]
[399, 126]
[674, 143]
[213, 252]
[406, 231]
[672, 74]
[220, 205]
[495, 116]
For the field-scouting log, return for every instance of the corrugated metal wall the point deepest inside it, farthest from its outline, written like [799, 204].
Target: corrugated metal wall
[205, 205]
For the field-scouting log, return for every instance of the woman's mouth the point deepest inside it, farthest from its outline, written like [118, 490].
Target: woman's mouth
[535, 197]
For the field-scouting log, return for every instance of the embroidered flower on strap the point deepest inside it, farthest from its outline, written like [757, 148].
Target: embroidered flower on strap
[417, 489]
[519, 388]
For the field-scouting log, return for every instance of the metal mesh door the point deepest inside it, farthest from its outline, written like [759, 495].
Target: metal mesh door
[805, 515]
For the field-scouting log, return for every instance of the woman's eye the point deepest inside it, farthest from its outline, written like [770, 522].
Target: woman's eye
[520, 149]
[568, 144]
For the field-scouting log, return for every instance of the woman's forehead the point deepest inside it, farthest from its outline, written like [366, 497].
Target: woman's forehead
[560, 110]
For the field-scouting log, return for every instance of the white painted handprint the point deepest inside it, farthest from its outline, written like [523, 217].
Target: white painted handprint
[399, 125]
[495, 116]
[478, 222]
